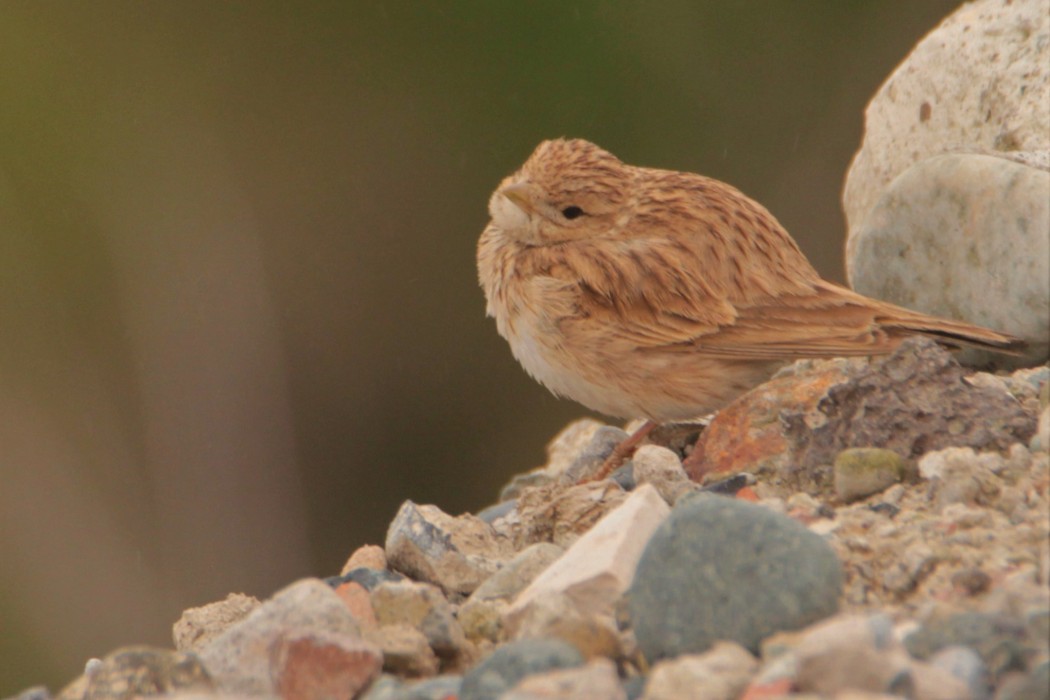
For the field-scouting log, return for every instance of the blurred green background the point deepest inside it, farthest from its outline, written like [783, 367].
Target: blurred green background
[239, 316]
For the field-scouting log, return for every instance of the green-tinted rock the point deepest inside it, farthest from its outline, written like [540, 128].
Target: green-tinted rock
[863, 471]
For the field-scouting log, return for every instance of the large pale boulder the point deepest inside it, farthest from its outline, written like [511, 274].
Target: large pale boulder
[947, 199]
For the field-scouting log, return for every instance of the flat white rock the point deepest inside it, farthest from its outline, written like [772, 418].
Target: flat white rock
[599, 566]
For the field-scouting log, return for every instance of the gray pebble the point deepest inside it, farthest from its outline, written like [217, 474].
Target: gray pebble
[602, 443]
[510, 663]
[497, 511]
[722, 569]
[624, 476]
[390, 687]
[365, 577]
[965, 664]
[999, 640]
[634, 687]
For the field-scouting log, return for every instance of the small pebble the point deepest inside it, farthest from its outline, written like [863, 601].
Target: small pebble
[423, 607]
[721, 673]
[971, 581]
[661, 467]
[497, 511]
[624, 477]
[367, 578]
[370, 556]
[862, 471]
[602, 443]
[511, 662]
[519, 572]
[730, 485]
[966, 665]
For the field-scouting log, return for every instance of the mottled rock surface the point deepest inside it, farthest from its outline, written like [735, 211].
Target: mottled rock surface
[140, 672]
[911, 402]
[456, 554]
[198, 626]
[239, 659]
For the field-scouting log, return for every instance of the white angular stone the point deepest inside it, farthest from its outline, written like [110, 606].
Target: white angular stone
[600, 565]
[960, 475]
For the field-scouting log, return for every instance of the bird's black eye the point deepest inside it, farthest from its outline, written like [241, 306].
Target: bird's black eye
[572, 212]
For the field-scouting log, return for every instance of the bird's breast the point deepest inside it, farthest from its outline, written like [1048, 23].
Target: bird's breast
[542, 306]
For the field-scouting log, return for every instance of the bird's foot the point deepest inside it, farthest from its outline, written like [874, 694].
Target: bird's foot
[623, 452]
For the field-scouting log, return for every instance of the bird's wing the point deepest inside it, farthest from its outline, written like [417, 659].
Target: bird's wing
[669, 311]
[823, 323]
[716, 273]
[638, 296]
[639, 293]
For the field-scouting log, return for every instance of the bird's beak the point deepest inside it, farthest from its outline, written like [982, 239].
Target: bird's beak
[519, 193]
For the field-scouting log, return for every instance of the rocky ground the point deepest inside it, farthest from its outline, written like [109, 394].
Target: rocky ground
[850, 530]
[847, 530]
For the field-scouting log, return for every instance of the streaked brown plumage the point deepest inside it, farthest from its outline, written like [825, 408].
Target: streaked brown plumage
[649, 293]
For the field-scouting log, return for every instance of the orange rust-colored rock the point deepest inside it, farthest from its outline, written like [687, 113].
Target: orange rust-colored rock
[359, 601]
[747, 433]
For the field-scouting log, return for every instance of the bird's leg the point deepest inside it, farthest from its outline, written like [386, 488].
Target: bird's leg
[622, 452]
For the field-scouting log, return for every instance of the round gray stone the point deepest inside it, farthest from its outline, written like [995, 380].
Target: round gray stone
[723, 569]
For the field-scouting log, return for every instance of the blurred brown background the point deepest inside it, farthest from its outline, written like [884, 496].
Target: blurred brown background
[239, 317]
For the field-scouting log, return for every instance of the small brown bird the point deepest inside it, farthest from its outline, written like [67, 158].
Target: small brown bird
[650, 293]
